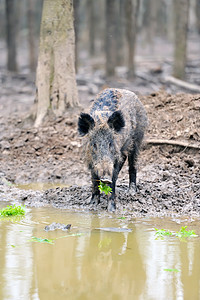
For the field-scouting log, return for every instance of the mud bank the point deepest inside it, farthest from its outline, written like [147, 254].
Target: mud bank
[175, 200]
[168, 174]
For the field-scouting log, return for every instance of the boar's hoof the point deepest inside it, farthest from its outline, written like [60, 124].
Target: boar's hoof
[132, 190]
[95, 200]
[111, 206]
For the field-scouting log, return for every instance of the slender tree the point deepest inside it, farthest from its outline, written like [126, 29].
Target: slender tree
[181, 13]
[198, 15]
[31, 35]
[91, 22]
[120, 33]
[110, 44]
[11, 35]
[76, 29]
[131, 12]
[55, 80]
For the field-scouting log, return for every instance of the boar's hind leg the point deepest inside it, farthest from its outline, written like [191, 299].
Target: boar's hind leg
[95, 199]
[132, 160]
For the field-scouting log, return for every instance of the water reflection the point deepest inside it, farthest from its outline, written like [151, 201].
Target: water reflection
[96, 265]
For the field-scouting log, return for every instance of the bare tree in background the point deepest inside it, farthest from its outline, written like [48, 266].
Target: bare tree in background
[131, 12]
[31, 34]
[110, 44]
[55, 80]
[11, 35]
[76, 4]
[181, 13]
[198, 15]
[120, 33]
[91, 23]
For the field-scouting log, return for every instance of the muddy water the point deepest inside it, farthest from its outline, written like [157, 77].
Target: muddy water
[119, 260]
[40, 186]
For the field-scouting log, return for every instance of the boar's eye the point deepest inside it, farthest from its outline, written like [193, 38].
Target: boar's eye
[110, 145]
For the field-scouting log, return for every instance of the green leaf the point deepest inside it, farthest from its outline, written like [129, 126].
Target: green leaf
[41, 240]
[184, 233]
[12, 210]
[172, 270]
[163, 232]
[72, 234]
[104, 188]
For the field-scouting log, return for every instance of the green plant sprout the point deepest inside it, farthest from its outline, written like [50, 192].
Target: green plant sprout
[12, 210]
[172, 270]
[161, 233]
[41, 240]
[45, 240]
[104, 188]
[182, 233]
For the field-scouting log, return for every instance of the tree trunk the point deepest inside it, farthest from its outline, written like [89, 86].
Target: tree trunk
[181, 13]
[110, 38]
[31, 35]
[91, 26]
[149, 21]
[11, 35]
[120, 33]
[131, 12]
[198, 15]
[56, 82]
[76, 28]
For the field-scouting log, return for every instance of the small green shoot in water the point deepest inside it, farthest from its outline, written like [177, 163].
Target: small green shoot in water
[12, 210]
[104, 188]
[41, 240]
[182, 233]
[172, 270]
[163, 232]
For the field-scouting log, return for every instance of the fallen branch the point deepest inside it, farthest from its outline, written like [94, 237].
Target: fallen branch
[173, 143]
[186, 85]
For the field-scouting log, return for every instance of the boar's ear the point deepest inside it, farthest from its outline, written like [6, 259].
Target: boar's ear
[85, 123]
[116, 121]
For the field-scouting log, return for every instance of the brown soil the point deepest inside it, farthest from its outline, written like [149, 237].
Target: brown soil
[168, 175]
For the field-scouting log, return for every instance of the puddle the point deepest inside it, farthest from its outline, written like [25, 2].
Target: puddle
[100, 257]
[39, 186]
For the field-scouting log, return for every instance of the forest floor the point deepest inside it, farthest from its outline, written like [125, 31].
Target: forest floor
[168, 165]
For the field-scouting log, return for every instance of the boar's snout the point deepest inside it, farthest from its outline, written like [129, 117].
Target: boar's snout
[106, 180]
[104, 171]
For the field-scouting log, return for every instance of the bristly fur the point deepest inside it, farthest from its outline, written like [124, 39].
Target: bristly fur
[115, 128]
[85, 123]
[116, 121]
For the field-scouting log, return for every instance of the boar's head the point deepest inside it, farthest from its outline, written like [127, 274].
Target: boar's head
[102, 151]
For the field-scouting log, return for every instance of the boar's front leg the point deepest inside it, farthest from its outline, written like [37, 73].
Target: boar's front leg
[95, 199]
[132, 160]
[117, 167]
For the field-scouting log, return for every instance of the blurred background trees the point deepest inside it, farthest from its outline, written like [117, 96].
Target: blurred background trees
[111, 35]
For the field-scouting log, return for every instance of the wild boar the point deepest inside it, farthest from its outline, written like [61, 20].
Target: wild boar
[114, 130]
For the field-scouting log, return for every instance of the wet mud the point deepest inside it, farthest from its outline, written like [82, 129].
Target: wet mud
[168, 174]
